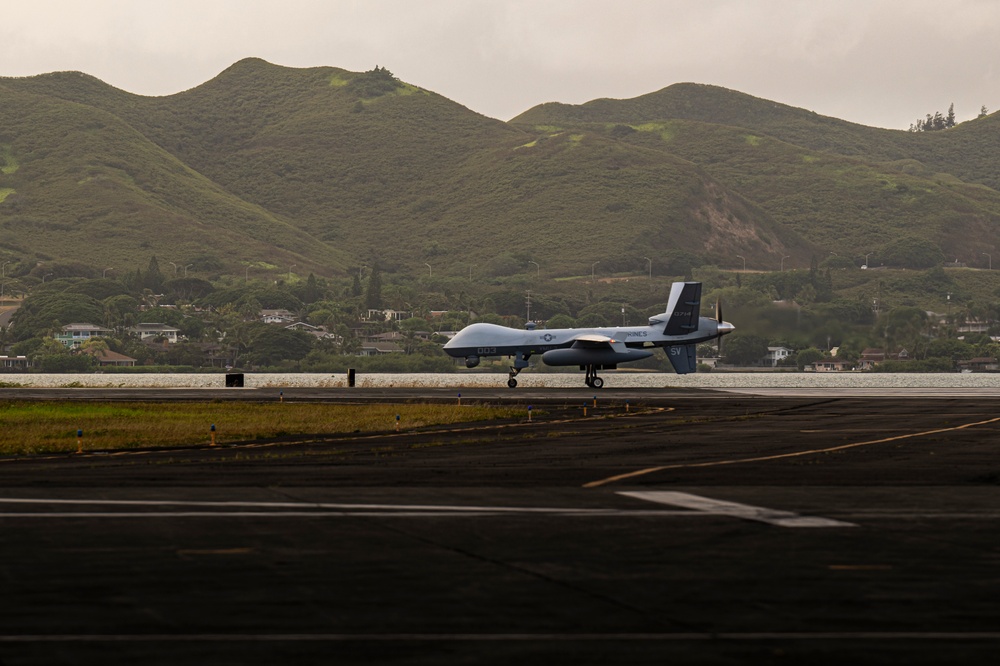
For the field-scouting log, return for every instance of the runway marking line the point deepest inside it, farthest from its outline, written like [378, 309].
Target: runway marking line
[692, 505]
[511, 637]
[734, 509]
[779, 456]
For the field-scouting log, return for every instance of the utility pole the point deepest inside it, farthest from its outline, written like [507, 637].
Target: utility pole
[528, 303]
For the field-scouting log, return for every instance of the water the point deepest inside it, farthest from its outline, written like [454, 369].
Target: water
[612, 380]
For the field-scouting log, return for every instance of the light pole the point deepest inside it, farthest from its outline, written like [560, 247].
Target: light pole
[430, 271]
[740, 256]
[988, 256]
[3, 272]
[650, 267]
[45, 276]
[290, 271]
[186, 269]
[783, 261]
[175, 267]
[538, 269]
[867, 254]
[105, 273]
[592, 266]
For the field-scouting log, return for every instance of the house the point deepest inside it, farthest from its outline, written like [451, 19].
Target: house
[775, 355]
[316, 331]
[974, 326]
[871, 357]
[74, 335]
[152, 330]
[109, 359]
[979, 364]
[277, 317]
[832, 365]
[388, 315]
[379, 348]
[13, 363]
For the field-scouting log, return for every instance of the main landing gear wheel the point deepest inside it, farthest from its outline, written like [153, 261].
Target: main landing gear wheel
[512, 383]
[592, 380]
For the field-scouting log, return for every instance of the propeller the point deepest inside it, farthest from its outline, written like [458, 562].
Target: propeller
[718, 320]
[723, 326]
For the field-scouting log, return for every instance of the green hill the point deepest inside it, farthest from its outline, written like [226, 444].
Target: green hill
[326, 169]
[845, 187]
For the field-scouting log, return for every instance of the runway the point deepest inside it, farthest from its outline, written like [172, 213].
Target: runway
[698, 527]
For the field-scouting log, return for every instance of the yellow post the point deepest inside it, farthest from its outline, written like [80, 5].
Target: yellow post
[213, 434]
[584, 409]
[79, 441]
[281, 396]
[626, 406]
[595, 402]
[459, 399]
[397, 422]
[529, 413]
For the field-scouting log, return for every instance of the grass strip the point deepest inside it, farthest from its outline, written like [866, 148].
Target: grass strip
[48, 427]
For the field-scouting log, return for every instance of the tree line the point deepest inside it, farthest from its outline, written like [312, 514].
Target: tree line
[937, 121]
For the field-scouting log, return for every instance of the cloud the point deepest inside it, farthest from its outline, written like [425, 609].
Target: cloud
[882, 62]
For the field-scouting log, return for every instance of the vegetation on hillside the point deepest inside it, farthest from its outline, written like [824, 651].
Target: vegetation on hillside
[325, 169]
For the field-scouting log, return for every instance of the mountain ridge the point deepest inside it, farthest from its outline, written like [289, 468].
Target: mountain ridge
[328, 169]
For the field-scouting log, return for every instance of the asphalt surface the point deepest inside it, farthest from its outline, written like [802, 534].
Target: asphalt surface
[707, 528]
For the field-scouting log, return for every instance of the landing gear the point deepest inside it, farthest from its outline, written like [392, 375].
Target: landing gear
[520, 363]
[592, 380]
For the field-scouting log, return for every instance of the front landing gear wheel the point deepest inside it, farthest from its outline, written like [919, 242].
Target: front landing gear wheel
[597, 383]
[512, 383]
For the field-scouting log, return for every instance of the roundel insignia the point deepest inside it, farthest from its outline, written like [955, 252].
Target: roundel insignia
[548, 337]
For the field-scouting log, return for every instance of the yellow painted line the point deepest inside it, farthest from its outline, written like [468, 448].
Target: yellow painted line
[779, 456]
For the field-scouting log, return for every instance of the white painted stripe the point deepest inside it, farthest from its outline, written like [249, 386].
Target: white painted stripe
[334, 514]
[484, 637]
[295, 505]
[734, 509]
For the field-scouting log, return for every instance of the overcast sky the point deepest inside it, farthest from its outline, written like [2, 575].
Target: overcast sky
[877, 62]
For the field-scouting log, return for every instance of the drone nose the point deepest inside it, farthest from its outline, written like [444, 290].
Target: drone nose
[725, 327]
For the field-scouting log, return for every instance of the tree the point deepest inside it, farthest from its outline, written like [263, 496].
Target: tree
[42, 312]
[153, 279]
[744, 349]
[373, 293]
[903, 327]
[272, 344]
[912, 252]
[936, 121]
[312, 292]
[808, 357]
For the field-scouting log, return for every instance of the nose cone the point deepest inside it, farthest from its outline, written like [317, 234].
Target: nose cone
[725, 327]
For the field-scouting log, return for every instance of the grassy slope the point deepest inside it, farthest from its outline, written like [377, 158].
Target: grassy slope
[89, 187]
[845, 187]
